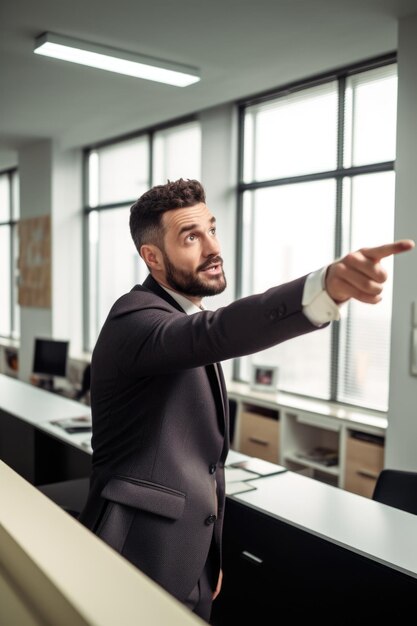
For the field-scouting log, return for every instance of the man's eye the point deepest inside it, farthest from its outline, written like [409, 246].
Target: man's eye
[191, 237]
[213, 231]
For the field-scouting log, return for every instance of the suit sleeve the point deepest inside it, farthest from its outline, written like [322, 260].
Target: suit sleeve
[156, 339]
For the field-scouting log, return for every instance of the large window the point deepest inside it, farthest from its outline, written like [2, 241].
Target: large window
[9, 215]
[117, 174]
[317, 180]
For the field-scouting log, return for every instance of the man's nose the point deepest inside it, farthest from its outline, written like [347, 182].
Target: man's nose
[211, 247]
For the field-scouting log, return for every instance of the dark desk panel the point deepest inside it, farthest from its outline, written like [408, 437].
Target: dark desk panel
[37, 456]
[274, 571]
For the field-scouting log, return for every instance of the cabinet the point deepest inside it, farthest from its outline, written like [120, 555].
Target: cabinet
[341, 446]
[259, 433]
[274, 568]
[364, 461]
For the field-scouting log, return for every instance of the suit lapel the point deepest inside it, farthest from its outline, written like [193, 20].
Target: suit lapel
[214, 371]
[151, 284]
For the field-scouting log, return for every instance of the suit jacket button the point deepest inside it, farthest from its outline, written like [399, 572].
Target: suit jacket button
[212, 468]
[211, 519]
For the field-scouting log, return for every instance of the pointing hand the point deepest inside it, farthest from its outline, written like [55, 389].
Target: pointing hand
[360, 274]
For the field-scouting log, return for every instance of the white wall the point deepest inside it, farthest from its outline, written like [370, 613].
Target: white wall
[401, 440]
[67, 278]
[219, 177]
[35, 175]
[50, 184]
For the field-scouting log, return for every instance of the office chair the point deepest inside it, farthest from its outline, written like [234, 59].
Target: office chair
[397, 488]
[85, 384]
[70, 495]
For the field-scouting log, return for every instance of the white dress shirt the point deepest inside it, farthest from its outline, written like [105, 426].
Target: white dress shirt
[186, 304]
[318, 306]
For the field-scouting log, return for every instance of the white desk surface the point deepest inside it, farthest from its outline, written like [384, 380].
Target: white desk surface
[377, 531]
[39, 407]
[374, 530]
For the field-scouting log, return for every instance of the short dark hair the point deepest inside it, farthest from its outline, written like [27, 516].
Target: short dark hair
[146, 213]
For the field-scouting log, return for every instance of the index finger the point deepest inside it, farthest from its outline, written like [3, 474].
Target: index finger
[379, 252]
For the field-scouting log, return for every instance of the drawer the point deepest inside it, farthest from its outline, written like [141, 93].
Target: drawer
[364, 461]
[259, 436]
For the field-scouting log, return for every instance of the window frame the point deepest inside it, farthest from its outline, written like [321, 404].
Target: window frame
[339, 174]
[13, 224]
[148, 132]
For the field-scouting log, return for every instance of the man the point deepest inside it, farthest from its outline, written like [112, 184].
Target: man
[159, 401]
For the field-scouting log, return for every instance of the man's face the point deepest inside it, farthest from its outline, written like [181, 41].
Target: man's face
[192, 262]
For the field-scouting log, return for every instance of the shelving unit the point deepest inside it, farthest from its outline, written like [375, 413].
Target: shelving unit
[335, 444]
[303, 436]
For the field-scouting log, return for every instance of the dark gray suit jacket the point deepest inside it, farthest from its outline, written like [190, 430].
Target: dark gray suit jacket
[160, 424]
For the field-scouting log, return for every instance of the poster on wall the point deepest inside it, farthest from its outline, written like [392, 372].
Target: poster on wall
[35, 262]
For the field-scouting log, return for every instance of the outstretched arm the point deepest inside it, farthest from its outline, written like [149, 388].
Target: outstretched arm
[360, 275]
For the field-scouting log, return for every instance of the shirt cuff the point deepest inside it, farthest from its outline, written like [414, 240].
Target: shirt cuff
[318, 306]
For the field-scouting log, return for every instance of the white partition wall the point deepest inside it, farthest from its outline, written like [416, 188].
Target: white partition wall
[402, 423]
[55, 571]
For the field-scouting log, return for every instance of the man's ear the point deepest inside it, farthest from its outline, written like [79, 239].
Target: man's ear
[152, 256]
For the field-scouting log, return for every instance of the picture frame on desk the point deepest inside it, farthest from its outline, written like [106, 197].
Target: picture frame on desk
[264, 378]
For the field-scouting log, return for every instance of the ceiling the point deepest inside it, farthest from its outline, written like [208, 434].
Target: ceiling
[242, 47]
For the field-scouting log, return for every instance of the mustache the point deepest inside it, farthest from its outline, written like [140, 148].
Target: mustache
[217, 260]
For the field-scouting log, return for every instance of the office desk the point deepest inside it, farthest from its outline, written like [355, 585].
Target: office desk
[30, 444]
[301, 548]
[361, 525]
[292, 546]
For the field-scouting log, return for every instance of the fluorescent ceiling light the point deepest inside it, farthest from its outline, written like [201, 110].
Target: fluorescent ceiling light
[113, 60]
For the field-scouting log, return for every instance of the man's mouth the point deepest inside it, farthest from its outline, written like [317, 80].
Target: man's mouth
[215, 267]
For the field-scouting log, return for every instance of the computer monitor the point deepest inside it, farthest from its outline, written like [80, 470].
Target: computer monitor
[50, 360]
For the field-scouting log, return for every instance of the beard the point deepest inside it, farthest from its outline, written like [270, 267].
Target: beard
[190, 283]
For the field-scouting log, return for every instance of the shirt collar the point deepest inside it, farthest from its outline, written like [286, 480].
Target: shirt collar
[189, 307]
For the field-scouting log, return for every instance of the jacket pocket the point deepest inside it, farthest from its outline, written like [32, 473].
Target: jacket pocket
[145, 495]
